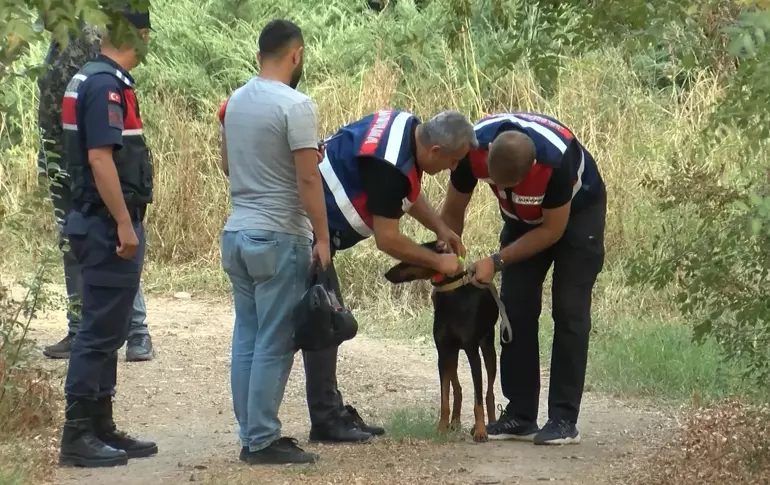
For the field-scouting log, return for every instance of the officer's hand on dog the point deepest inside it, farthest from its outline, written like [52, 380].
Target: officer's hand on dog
[449, 264]
[322, 254]
[448, 237]
[128, 242]
[483, 271]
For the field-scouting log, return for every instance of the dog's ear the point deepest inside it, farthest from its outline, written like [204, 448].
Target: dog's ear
[406, 272]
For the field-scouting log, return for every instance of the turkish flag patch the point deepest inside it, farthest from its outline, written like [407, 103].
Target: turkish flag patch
[113, 96]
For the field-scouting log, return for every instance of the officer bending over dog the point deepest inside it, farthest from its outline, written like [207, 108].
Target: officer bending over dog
[372, 171]
[553, 203]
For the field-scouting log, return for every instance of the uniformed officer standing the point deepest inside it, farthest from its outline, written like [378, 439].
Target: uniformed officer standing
[62, 64]
[111, 182]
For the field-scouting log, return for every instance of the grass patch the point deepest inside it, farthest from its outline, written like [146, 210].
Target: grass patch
[417, 423]
[23, 462]
[12, 475]
[659, 359]
[629, 355]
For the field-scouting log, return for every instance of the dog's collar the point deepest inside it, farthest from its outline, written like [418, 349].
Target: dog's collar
[452, 285]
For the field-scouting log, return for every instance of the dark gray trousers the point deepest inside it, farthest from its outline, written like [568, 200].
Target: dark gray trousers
[324, 400]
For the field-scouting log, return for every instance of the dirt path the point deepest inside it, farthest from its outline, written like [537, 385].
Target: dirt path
[182, 400]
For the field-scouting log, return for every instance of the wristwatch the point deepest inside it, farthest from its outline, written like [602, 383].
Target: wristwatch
[499, 264]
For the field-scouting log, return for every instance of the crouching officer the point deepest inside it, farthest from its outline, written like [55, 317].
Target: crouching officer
[111, 175]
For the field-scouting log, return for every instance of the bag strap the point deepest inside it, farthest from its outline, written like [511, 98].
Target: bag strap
[318, 276]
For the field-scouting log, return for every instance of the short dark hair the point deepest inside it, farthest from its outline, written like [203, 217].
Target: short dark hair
[510, 157]
[277, 35]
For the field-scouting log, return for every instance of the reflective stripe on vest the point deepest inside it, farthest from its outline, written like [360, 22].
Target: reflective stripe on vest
[524, 201]
[132, 161]
[385, 135]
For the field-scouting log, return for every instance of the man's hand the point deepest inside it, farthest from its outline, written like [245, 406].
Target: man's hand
[127, 240]
[484, 271]
[425, 215]
[321, 153]
[449, 264]
[322, 254]
[448, 237]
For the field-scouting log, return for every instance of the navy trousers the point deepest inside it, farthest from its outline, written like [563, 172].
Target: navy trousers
[61, 195]
[110, 284]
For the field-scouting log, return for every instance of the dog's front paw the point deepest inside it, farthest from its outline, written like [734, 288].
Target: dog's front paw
[480, 434]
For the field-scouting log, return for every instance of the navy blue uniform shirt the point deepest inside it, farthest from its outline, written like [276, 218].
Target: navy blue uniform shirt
[100, 108]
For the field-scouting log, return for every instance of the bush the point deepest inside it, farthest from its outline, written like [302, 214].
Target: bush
[27, 397]
[715, 251]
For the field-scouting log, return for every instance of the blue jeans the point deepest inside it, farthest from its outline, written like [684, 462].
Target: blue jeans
[268, 271]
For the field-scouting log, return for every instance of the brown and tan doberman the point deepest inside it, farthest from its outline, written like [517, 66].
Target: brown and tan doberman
[464, 318]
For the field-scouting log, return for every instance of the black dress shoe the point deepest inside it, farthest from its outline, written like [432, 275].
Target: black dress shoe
[282, 451]
[338, 431]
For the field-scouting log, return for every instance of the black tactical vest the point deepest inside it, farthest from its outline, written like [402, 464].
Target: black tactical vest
[132, 161]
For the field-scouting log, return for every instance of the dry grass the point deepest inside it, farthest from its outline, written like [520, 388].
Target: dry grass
[27, 399]
[29, 418]
[726, 444]
[27, 395]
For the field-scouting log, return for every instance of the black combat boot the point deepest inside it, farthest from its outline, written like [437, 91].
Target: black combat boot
[79, 445]
[105, 430]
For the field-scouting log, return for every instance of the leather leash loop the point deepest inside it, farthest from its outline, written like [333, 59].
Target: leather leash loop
[505, 324]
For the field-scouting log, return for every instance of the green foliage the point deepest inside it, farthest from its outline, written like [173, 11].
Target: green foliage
[26, 394]
[744, 106]
[418, 423]
[26, 22]
[658, 360]
[716, 251]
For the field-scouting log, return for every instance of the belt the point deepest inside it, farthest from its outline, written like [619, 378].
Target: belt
[136, 212]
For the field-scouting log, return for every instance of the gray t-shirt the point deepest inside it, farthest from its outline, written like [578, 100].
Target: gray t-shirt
[264, 122]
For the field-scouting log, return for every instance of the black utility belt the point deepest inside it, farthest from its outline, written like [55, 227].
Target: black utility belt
[136, 212]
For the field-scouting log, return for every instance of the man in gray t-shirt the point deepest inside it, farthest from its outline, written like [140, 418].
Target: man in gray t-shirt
[269, 151]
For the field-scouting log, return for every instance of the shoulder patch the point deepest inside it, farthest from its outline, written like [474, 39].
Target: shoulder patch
[115, 116]
[113, 97]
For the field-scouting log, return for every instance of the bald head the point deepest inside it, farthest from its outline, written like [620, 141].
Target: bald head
[511, 155]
